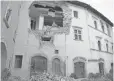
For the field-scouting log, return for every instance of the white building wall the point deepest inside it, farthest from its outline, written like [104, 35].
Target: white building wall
[7, 34]
[94, 35]
[77, 48]
[28, 45]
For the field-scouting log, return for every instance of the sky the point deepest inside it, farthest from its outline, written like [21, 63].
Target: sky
[106, 7]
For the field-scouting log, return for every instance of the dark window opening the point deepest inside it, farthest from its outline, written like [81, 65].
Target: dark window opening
[107, 47]
[76, 14]
[102, 25]
[99, 45]
[108, 30]
[95, 23]
[33, 24]
[18, 61]
[56, 51]
[46, 38]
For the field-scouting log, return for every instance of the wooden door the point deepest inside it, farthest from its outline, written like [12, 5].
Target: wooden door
[38, 64]
[79, 69]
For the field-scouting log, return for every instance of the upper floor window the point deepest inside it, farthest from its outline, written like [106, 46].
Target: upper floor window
[99, 45]
[107, 47]
[75, 14]
[95, 24]
[78, 34]
[108, 29]
[33, 24]
[102, 25]
[18, 61]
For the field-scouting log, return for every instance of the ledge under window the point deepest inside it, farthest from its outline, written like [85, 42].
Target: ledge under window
[77, 40]
[100, 51]
[99, 30]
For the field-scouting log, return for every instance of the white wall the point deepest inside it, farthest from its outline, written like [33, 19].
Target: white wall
[77, 48]
[7, 34]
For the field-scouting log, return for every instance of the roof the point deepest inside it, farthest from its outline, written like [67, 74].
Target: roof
[88, 7]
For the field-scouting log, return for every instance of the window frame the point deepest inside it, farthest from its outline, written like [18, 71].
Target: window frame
[108, 30]
[79, 35]
[16, 65]
[75, 15]
[99, 45]
[95, 24]
[102, 26]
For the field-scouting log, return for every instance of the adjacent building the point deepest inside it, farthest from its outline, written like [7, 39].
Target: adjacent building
[61, 37]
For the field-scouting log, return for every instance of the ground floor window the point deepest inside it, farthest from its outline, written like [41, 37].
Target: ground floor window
[18, 61]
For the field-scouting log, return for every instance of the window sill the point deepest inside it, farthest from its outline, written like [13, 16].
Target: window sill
[77, 40]
[101, 51]
[99, 30]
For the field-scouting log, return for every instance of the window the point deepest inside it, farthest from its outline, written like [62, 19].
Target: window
[112, 47]
[56, 51]
[78, 34]
[102, 26]
[95, 23]
[18, 61]
[33, 24]
[46, 38]
[75, 14]
[107, 47]
[108, 29]
[99, 45]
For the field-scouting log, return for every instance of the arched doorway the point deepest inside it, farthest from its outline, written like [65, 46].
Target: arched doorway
[79, 69]
[3, 56]
[56, 66]
[38, 64]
